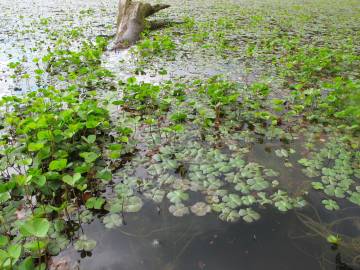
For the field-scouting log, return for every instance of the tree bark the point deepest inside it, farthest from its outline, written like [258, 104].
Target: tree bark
[131, 21]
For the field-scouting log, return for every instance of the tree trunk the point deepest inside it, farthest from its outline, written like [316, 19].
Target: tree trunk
[131, 21]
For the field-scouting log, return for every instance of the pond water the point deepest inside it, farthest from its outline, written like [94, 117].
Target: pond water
[154, 239]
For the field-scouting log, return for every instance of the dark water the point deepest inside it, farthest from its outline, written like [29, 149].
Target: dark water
[154, 240]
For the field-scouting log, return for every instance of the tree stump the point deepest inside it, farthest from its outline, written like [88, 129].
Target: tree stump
[131, 21]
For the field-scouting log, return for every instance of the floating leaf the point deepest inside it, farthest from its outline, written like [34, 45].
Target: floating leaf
[133, 204]
[95, 203]
[200, 209]
[249, 215]
[112, 221]
[56, 245]
[281, 153]
[84, 243]
[179, 210]
[355, 198]
[258, 184]
[248, 200]
[229, 215]
[86, 216]
[232, 200]
[317, 185]
[330, 205]
[157, 195]
[177, 196]
[283, 205]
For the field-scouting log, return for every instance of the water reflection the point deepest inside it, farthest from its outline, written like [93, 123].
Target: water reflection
[160, 241]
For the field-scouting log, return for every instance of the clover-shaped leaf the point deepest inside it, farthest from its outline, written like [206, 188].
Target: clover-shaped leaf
[270, 173]
[179, 210]
[157, 195]
[283, 205]
[200, 209]
[71, 180]
[317, 185]
[249, 215]
[232, 200]
[330, 205]
[242, 187]
[177, 196]
[248, 200]
[104, 174]
[37, 227]
[95, 203]
[355, 198]
[132, 204]
[84, 243]
[257, 183]
[112, 221]
[263, 199]
[56, 245]
[229, 215]
[282, 153]
[86, 216]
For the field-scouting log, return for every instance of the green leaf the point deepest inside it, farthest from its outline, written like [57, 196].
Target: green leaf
[33, 147]
[333, 239]
[283, 205]
[330, 205]
[317, 185]
[27, 264]
[39, 180]
[5, 259]
[95, 203]
[178, 210]
[200, 209]
[257, 184]
[133, 204]
[58, 164]
[84, 243]
[104, 174]
[249, 215]
[35, 227]
[90, 139]
[229, 215]
[177, 196]
[86, 216]
[112, 221]
[355, 198]
[71, 180]
[89, 156]
[14, 251]
[56, 245]
[4, 240]
[4, 196]
[232, 200]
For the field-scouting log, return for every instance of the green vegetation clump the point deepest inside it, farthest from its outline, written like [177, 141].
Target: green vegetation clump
[72, 144]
